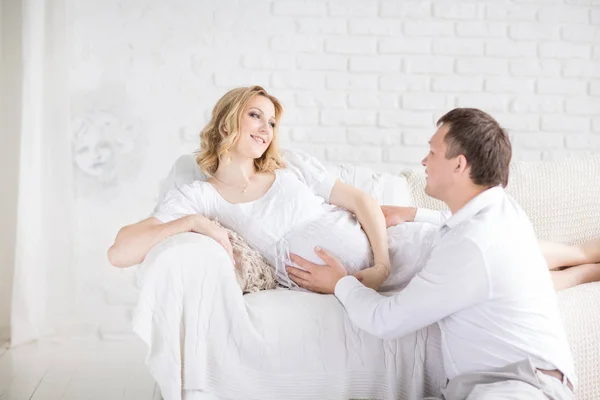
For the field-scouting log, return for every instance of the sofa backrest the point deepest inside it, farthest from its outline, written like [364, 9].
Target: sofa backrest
[561, 198]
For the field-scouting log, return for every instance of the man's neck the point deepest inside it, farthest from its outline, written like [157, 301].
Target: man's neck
[462, 196]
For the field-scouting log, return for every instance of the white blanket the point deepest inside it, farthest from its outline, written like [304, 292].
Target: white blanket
[269, 345]
[561, 198]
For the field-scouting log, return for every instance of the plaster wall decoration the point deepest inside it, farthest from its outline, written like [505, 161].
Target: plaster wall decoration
[100, 139]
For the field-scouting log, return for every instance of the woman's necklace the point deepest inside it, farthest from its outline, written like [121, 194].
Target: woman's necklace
[244, 188]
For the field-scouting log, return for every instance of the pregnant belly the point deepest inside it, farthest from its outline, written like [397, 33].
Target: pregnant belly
[337, 232]
[410, 245]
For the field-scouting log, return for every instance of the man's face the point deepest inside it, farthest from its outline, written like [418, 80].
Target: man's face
[439, 169]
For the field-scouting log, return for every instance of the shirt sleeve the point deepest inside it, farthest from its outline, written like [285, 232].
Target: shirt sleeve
[454, 278]
[432, 216]
[311, 171]
[185, 200]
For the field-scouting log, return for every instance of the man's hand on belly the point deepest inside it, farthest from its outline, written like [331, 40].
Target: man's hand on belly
[317, 278]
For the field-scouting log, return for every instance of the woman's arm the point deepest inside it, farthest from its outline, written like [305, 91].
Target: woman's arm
[395, 215]
[133, 242]
[369, 214]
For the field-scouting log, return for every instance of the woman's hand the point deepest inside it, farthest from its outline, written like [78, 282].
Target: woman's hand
[396, 215]
[204, 226]
[373, 277]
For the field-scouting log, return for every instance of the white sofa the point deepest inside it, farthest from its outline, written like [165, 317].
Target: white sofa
[208, 341]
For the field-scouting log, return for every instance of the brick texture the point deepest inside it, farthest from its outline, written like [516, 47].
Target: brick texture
[361, 82]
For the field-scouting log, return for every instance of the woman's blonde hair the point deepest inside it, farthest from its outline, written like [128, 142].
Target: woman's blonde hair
[222, 132]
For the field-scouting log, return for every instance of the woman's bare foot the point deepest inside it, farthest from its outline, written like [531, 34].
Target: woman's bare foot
[574, 276]
[590, 250]
[559, 255]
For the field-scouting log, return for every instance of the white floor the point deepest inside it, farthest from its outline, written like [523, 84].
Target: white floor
[76, 369]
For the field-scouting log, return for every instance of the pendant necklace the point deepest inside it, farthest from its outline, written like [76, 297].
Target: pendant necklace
[244, 188]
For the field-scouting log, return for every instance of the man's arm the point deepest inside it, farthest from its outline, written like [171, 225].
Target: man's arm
[454, 278]
[395, 215]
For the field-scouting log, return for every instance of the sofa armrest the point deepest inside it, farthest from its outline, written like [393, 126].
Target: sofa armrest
[183, 279]
[580, 309]
[185, 259]
[185, 248]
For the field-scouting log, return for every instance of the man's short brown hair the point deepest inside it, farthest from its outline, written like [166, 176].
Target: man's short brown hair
[486, 146]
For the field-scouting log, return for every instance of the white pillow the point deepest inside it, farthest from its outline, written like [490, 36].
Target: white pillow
[384, 187]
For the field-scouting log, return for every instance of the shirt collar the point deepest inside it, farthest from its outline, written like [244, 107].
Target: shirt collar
[475, 205]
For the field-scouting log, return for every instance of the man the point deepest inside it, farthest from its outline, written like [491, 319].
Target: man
[486, 282]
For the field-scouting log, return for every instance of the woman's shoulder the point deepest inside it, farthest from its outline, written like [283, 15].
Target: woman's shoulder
[194, 189]
[286, 173]
[291, 181]
[195, 185]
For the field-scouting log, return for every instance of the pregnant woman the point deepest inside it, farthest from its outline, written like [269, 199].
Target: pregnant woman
[250, 191]
[281, 210]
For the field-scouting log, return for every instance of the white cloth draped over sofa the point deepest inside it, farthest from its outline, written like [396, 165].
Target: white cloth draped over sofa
[205, 337]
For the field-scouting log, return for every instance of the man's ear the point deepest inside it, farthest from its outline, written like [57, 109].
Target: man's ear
[461, 164]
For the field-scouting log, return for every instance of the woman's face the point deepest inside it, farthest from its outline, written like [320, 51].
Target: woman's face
[257, 124]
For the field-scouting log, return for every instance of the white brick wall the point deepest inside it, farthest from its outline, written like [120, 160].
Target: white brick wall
[361, 82]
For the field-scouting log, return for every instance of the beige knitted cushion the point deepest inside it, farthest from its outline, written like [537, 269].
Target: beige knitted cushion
[561, 198]
[580, 309]
[252, 270]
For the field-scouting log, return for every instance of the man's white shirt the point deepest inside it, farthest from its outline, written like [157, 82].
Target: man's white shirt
[486, 284]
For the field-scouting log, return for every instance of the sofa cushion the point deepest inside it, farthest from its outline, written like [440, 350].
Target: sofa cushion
[386, 188]
[561, 198]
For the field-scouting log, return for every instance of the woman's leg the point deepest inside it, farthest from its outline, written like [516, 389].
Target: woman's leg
[560, 255]
[574, 276]
[578, 263]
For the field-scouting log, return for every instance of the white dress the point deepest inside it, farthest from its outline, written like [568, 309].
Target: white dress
[293, 216]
